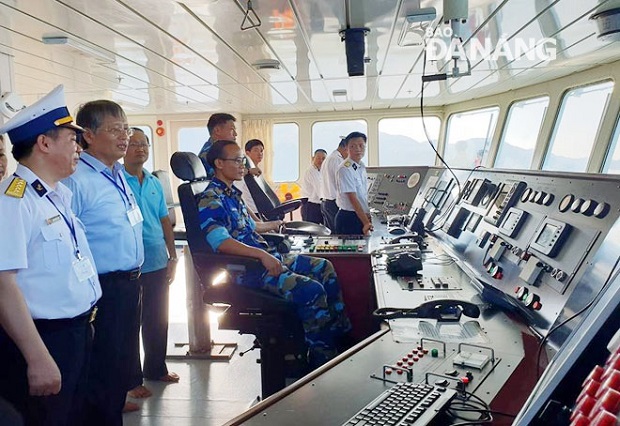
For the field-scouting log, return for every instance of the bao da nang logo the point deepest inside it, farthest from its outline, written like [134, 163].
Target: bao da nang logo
[437, 48]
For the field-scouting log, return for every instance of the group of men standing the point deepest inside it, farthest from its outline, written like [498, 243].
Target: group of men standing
[336, 190]
[74, 227]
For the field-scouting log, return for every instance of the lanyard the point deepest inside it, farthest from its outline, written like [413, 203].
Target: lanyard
[121, 189]
[70, 225]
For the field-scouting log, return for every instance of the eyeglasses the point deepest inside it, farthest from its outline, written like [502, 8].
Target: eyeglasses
[238, 161]
[119, 131]
[139, 144]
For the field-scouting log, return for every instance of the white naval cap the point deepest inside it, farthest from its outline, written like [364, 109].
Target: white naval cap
[47, 113]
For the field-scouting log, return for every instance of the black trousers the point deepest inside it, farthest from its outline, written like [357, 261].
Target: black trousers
[110, 368]
[69, 343]
[329, 208]
[311, 212]
[154, 289]
[347, 223]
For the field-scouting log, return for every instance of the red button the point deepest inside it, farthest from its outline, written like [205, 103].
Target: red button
[580, 420]
[399, 371]
[591, 388]
[595, 374]
[399, 363]
[409, 363]
[603, 418]
[611, 382]
[610, 401]
[388, 371]
[584, 406]
[465, 379]
[536, 306]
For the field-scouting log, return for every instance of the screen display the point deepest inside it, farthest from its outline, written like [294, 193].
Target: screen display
[546, 235]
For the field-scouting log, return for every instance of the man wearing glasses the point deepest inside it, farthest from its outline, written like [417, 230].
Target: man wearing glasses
[308, 282]
[158, 270]
[104, 202]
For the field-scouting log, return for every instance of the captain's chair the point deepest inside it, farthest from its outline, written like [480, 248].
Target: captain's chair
[270, 208]
[274, 322]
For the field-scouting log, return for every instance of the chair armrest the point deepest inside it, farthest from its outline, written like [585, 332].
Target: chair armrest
[286, 207]
[205, 261]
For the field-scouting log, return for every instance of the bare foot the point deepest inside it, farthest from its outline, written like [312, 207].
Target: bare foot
[130, 406]
[170, 378]
[140, 392]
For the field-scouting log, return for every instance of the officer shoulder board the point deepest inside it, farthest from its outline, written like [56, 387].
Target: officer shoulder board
[16, 188]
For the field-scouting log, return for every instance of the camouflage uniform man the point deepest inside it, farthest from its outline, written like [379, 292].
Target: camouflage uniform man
[309, 282]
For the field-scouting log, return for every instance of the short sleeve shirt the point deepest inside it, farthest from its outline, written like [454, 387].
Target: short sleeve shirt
[38, 243]
[352, 177]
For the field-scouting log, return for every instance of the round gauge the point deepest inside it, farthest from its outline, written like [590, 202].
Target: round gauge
[601, 210]
[526, 195]
[413, 180]
[576, 206]
[566, 202]
[588, 206]
[548, 199]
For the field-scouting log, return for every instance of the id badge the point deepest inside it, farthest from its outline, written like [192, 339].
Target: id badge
[83, 268]
[135, 216]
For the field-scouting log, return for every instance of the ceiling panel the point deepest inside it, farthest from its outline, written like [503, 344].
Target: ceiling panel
[191, 55]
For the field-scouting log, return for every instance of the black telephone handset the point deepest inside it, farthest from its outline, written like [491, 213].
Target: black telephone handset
[448, 310]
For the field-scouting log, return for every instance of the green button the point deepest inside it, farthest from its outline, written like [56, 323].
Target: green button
[434, 353]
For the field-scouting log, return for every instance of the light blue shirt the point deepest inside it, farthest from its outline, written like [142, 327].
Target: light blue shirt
[38, 243]
[101, 200]
[152, 202]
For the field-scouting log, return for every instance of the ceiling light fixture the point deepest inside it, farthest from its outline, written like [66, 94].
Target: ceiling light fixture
[87, 49]
[415, 25]
[267, 64]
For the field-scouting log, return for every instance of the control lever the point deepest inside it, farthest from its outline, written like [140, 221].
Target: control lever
[448, 310]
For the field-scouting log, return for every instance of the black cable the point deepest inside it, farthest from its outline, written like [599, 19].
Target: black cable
[428, 139]
[613, 273]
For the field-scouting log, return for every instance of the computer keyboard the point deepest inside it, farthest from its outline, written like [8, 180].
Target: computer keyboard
[404, 404]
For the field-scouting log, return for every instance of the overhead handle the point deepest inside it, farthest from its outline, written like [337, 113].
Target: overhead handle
[247, 23]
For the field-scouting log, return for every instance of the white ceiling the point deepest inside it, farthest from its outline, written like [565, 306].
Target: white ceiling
[192, 56]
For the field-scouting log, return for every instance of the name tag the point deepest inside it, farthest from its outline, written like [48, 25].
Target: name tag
[83, 268]
[135, 216]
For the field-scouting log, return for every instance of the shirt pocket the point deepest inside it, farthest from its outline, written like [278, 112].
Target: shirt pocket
[52, 244]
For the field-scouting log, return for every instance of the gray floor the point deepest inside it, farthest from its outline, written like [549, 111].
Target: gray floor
[209, 392]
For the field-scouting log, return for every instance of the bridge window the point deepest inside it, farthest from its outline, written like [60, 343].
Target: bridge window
[516, 148]
[191, 139]
[576, 127]
[285, 152]
[327, 134]
[402, 141]
[612, 163]
[469, 137]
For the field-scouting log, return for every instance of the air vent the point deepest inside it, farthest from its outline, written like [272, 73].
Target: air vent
[267, 64]
[339, 93]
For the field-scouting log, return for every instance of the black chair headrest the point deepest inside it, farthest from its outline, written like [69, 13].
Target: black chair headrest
[187, 166]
